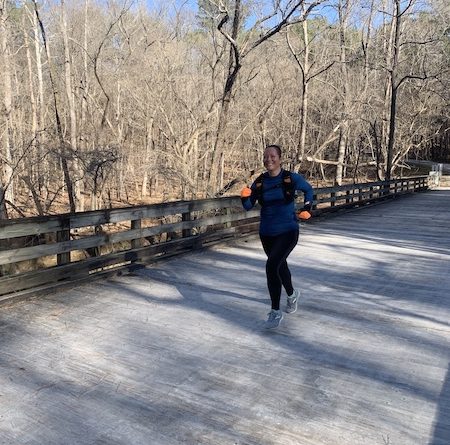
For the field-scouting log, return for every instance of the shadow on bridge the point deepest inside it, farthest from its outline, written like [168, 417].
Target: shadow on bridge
[173, 351]
[441, 430]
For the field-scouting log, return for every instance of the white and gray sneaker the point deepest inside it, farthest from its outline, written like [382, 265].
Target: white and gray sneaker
[292, 300]
[274, 319]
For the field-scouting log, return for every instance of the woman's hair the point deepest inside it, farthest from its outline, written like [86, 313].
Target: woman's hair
[276, 147]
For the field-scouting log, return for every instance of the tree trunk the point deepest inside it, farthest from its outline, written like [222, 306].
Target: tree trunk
[82, 143]
[343, 130]
[394, 89]
[7, 192]
[79, 205]
[233, 69]
[32, 180]
[34, 118]
[59, 130]
[388, 50]
[304, 66]
[40, 106]
[147, 158]
[84, 83]
[304, 109]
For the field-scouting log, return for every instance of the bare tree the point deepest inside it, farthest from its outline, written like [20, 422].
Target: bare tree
[73, 135]
[64, 155]
[289, 15]
[144, 105]
[308, 71]
[343, 13]
[399, 72]
[6, 173]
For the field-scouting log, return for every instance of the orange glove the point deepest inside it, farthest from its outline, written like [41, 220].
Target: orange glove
[304, 212]
[304, 215]
[246, 192]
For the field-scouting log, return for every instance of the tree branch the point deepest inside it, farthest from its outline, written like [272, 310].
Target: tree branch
[285, 22]
[414, 76]
[413, 42]
[322, 70]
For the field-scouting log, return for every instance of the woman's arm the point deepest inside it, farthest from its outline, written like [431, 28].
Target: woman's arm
[303, 185]
[248, 197]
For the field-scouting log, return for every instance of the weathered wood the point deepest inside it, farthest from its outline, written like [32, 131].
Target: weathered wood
[81, 269]
[28, 253]
[62, 236]
[227, 213]
[175, 353]
[136, 225]
[186, 217]
[11, 228]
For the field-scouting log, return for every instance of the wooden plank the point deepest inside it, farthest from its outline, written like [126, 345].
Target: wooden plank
[136, 225]
[381, 184]
[40, 225]
[64, 222]
[12, 228]
[81, 269]
[28, 227]
[28, 280]
[147, 212]
[28, 253]
[112, 216]
[175, 352]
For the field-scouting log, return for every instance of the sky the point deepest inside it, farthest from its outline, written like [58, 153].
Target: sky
[191, 6]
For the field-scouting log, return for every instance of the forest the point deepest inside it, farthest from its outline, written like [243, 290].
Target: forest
[122, 102]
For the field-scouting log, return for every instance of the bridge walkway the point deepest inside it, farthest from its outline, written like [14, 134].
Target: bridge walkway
[175, 353]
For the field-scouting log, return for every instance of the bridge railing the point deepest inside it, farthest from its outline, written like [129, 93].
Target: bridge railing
[329, 199]
[39, 252]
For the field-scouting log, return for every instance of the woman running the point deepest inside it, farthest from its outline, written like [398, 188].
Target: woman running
[278, 229]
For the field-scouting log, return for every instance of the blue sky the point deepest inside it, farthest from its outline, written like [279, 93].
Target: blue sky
[192, 5]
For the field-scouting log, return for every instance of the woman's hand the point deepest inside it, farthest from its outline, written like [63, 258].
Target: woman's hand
[246, 192]
[304, 215]
[305, 211]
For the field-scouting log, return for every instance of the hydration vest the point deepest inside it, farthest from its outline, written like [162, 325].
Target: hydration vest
[286, 184]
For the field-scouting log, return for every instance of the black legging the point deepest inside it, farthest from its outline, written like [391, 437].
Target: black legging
[277, 249]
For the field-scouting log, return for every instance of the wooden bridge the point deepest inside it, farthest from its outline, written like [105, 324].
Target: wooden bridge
[174, 352]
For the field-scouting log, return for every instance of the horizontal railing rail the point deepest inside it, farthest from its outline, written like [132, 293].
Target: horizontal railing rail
[355, 195]
[41, 251]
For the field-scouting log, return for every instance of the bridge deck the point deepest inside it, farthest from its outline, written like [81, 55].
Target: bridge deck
[175, 353]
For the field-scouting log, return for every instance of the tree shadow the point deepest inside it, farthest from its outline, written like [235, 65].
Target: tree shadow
[441, 428]
[162, 377]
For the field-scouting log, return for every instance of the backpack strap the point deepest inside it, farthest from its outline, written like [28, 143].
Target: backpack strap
[288, 187]
[259, 188]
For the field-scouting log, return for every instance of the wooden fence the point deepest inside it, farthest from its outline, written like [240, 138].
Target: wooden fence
[39, 252]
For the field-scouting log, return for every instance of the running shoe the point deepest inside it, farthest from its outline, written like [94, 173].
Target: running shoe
[274, 319]
[292, 300]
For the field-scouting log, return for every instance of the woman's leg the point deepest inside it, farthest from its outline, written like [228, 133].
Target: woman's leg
[277, 249]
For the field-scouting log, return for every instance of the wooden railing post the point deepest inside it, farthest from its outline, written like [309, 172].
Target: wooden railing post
[136, 224]
[61, 236]
[186, 217]
[228, 212]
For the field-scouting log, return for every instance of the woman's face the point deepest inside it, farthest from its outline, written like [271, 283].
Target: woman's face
[272, 161]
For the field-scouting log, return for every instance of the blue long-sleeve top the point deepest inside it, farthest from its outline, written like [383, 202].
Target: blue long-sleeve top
[277, 216]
